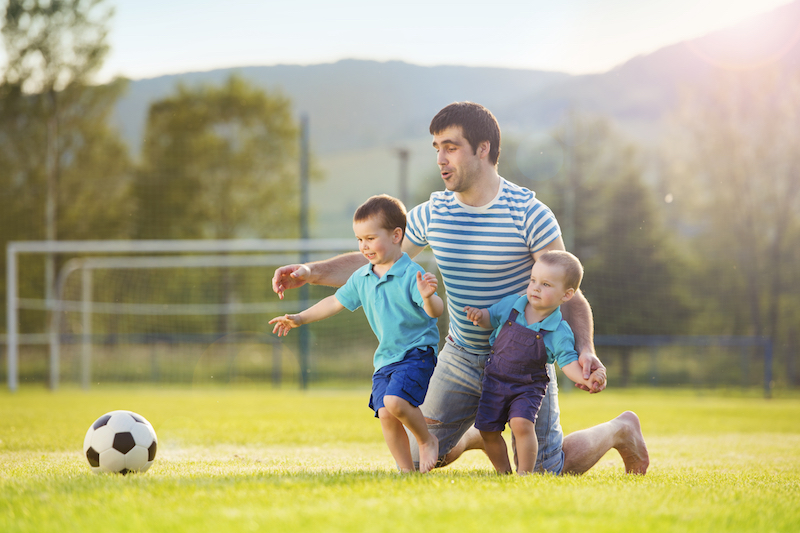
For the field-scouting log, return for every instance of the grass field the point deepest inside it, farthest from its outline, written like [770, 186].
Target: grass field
[263, 460]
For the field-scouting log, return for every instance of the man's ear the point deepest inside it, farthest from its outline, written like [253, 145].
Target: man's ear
[568, 295]
[484, 148]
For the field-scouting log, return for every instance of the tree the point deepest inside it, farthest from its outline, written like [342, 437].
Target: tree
[61, 164]
[53, 47]
[219, 162]
[735, 171]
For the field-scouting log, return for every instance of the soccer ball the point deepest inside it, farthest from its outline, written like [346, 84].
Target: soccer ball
[121, 442]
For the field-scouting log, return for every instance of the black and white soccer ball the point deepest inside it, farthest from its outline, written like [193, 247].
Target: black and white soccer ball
[120, 442]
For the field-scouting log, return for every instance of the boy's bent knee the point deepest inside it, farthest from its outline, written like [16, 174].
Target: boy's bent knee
[396, 404]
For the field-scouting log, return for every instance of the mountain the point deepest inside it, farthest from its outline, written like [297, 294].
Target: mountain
[352, 104]
[360, 112]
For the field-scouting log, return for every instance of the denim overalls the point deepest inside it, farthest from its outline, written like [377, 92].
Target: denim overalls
[515, 379]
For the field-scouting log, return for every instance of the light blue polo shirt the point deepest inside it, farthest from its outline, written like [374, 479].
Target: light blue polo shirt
[393, 306]
[559, 342]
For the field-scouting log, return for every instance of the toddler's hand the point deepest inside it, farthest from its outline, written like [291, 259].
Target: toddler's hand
[473, 314]
[597, 380]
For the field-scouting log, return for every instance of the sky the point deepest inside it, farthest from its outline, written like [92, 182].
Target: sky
[150, 38]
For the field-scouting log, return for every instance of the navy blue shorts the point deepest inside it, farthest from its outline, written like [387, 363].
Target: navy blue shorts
[407, 379]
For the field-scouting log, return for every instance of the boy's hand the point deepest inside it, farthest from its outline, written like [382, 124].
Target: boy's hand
[427, 284]
[473, 314]
[284, 323]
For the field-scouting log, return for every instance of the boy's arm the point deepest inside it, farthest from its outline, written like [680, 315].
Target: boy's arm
[431, 301]
[319, 311]
[479, 317]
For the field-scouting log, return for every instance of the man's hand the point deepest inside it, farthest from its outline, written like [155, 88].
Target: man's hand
[290, 277]
[594, 371]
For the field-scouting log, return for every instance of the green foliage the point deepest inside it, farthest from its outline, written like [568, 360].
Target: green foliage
[732, 166]
[218, 162]
[634, 279]
[289, 461]
[53, 44]
[63, 170]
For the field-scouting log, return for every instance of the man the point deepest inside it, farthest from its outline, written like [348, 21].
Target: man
[486, 233]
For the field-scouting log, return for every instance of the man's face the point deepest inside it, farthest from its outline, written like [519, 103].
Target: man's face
[458, 162]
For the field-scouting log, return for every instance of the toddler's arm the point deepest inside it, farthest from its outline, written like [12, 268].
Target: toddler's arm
[432, 303]
[597, 380]
[479, 317]
[574, 372]
[320, 310]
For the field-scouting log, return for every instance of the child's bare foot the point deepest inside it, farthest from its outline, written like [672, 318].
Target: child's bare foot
[428, 454]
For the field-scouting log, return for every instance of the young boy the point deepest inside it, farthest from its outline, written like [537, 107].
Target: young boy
[401, 304]
[528, 333]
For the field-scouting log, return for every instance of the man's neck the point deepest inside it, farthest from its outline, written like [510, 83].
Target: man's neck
[483, 191]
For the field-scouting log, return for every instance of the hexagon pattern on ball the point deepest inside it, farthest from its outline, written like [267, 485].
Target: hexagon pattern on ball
[120, 442]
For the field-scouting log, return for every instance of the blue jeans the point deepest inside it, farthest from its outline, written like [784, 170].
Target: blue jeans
[452, 401]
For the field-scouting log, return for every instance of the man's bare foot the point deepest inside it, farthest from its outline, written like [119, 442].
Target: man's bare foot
[471, 440]
[631, 445]
[428, 454]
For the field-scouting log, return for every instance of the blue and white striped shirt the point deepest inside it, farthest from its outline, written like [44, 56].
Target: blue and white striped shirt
[484, 253]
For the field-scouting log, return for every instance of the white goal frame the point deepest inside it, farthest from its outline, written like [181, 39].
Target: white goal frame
[302, 247]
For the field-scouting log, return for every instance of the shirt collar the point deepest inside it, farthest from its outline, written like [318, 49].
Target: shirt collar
[548, 324]
[398, 268]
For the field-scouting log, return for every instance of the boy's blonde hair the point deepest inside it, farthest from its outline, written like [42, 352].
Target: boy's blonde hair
[573, 269]
[390, 212]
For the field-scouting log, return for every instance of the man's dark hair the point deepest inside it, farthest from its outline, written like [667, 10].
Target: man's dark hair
[476, 122]
[390, 212]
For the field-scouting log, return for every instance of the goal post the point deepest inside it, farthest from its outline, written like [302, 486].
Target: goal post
[215, 253]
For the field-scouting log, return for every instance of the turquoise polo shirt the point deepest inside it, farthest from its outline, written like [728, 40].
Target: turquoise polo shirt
[393, 306]
[559, 341]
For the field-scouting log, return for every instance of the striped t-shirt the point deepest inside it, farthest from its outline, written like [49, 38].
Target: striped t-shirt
[484, 253]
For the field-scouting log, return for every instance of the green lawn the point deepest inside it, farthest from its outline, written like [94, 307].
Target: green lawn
[261, 460]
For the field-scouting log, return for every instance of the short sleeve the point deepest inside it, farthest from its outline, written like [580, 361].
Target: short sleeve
[541, 226]
[348, 295]
[564, 346]
[417, 224]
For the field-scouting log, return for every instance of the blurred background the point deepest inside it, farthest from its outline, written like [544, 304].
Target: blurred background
[665, 138]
